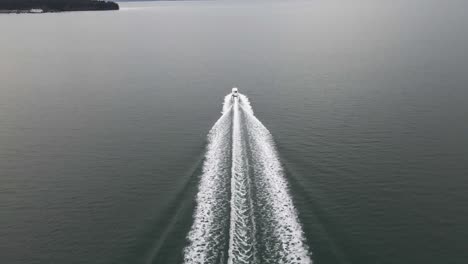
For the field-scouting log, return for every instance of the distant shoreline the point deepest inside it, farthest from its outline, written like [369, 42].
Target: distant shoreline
[54, 6]
[20, 11]
[48, 11]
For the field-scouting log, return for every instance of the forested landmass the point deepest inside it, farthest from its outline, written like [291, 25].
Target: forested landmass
[55, 5]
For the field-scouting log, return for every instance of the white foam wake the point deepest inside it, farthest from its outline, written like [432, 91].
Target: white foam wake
[244, 212]
[242, 243]
[284, 240]
[245, 104]
[206, 237]
[227, 103]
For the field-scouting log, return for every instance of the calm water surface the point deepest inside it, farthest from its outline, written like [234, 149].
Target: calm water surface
[104, 116]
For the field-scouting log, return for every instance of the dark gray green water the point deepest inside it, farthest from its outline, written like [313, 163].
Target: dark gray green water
[104, 118]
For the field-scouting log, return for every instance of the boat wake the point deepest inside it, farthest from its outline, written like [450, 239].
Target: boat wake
[244, 213]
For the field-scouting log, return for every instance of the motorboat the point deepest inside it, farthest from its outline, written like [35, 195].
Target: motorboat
[235, 92]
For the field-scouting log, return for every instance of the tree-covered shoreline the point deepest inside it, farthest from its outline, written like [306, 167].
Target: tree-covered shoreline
[21, 6]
